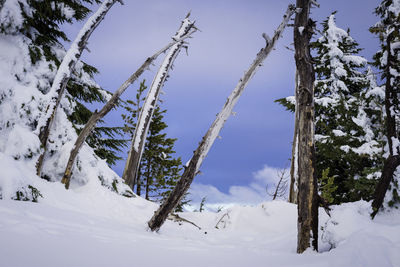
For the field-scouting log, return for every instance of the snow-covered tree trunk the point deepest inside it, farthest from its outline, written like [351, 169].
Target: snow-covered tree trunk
[98, 115]
[63, 75]
[201, 152]
[307, 200]
[146, 113]
[294, 177]
[391, 101]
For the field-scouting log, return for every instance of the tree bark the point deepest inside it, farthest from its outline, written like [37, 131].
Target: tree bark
[307, 198]
[96, 116]
[201, 152]
[393, 161]
[63, 75]
[294, 175]
[146, 113]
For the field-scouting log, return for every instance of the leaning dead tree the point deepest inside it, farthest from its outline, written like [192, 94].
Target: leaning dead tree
[201, 152]
[98, 115]
[307, 197]
[149, 105]
[63, 75]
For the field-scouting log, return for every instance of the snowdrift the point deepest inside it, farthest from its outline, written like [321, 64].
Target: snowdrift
[91, 226]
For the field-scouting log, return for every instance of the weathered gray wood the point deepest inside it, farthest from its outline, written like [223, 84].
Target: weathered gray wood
[96, 116]
[294, 176]
[393, 160]
[307, 198]
[201, 152]
[150, 102]
[63, 75]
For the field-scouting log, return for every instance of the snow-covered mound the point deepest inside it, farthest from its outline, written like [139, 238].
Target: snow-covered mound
[90, 226]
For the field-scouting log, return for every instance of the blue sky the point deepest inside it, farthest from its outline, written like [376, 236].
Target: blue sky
[256, 140]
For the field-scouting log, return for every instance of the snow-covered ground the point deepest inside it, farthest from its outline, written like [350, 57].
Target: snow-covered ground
[90, 226]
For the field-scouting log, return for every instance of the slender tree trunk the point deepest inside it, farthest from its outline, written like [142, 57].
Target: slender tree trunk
[139, 185]
[307, 198]
[146, 113]
[393, 160]
[201, 152]
[148, 180]
[96, 116]
[63, 75]
[294, 175]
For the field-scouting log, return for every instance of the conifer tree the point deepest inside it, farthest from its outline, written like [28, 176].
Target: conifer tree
[346, 117]
[159, 170]
[31, 28]
[387, 59]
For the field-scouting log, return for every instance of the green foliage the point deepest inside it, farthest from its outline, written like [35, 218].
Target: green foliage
[327, 186]
[386, 60]
[28, 194]
[202, 203]
[159, 170]
[348, 117]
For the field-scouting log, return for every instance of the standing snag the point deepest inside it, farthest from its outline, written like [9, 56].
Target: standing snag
[307, 197]
[213, 132]
[146, 113]
[98, 115]
[63, 75]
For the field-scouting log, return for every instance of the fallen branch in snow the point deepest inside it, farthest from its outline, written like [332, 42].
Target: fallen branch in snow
[63, 75]
[150, 102]
[98, 115]
[177, 218]
[213, 132]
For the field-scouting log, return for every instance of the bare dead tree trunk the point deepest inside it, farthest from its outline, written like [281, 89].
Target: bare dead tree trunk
[201, 152]
[146, 113]
[393, 160]
[63, 75]
[96, 116]
[307, 198]
[294, 175]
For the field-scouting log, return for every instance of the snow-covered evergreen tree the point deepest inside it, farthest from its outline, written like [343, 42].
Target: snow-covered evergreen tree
[30, 37]
[387, 59]
[345, 142]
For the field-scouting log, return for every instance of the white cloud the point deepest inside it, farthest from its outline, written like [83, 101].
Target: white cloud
[252, 194]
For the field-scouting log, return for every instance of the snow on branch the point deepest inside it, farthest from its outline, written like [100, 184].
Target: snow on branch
[64, 72]
[150, 102]
[200, 153]
[98, 115]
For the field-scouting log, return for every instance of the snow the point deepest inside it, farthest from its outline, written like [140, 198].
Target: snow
[338, 133]
[93, 227]
[395, 7]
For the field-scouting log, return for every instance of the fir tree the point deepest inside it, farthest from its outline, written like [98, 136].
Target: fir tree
[345, 143]
[159, 170]
[32, 29]
[387, 60]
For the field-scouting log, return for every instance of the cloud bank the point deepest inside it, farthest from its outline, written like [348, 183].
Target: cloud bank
[252, 194]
